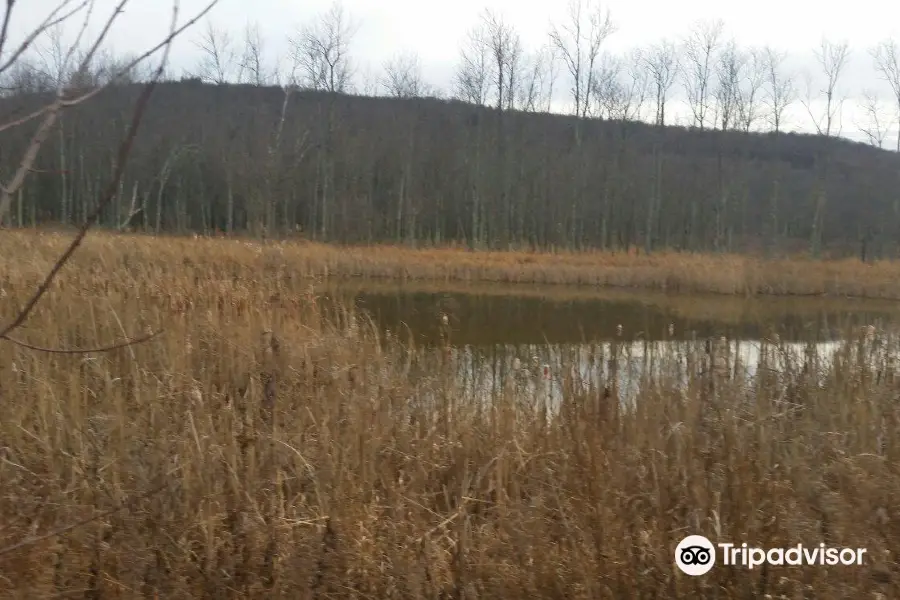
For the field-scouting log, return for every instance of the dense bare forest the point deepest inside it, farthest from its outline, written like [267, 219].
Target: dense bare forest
[239, 148]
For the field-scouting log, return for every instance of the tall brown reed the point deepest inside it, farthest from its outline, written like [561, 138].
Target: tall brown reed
[665, 271]
[262, 447]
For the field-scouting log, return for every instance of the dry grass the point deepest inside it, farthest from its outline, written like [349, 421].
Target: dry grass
[321, 461]
[671, 272]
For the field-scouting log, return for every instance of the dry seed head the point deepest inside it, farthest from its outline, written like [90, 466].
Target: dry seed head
[870, 333]
[196, 396]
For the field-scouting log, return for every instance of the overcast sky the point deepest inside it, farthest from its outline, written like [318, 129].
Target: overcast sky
[434, 30]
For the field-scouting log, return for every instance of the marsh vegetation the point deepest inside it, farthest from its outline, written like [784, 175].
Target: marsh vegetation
[268, 443]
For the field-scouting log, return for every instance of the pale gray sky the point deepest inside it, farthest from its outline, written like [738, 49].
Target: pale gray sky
[435, 29]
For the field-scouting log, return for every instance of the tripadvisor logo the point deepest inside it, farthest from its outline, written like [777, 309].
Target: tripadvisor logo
[696, 555]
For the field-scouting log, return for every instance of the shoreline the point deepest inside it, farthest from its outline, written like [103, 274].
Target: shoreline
[667, 273]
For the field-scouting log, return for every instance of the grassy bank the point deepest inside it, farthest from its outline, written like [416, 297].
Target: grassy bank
[670, 272]
[256, 449]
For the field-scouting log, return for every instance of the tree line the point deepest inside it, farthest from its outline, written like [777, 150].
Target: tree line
[304, 145]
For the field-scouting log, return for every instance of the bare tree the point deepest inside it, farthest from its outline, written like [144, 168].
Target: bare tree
[25, 77]
[540, 70]
[620, 87]
[729, 73]
[663, 68]
[877, 124]
[322, 50]
[780, 92]
[472, 80]
[832, 58]
[403, 76]
[505, 48]
[55, 59]
[750, 89]
[369, 81]
[578, 43]
[662, 64]
[253, 63]
[700, 49]
[219, 61]
[887, 60]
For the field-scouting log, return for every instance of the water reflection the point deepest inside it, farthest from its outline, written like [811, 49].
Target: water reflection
[488, 319]
[542, 374]
[541, 348]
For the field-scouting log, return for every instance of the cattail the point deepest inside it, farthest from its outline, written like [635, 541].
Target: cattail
[870, 333]
[196, 396]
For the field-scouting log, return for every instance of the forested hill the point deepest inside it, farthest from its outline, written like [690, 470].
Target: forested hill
[360, 169]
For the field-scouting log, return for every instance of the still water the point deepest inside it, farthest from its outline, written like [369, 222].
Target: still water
[540, 341]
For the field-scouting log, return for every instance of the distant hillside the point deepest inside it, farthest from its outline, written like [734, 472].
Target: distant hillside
[358, 169]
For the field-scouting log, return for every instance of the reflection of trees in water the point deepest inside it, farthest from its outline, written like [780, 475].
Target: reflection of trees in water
[484, 320]
[543, 374]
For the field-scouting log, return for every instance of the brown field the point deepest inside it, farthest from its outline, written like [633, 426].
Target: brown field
[256, 449]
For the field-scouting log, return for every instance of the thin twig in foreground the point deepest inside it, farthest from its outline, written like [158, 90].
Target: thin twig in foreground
[110, 348]
[106, 198]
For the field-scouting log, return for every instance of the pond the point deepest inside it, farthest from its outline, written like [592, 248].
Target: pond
[539, 340]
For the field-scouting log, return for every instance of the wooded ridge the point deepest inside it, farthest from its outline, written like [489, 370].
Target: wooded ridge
[349, 169]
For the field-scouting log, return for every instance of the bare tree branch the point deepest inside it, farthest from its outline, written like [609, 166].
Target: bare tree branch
[403, 76]
[750, 89]
[252, 62]
[781, 92]
[51, 111]
[53, 19]
[729, 69]
[700, 50]
[887, 60]
[578, 43]
[540, 72]
[110, 191]
[4, 29]
[219, 56]
[662, 63]
[472, 81]
[322, 51]
[832, 58]
[877, 126]
[67, 103]
[101, 349]
[505, 47]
